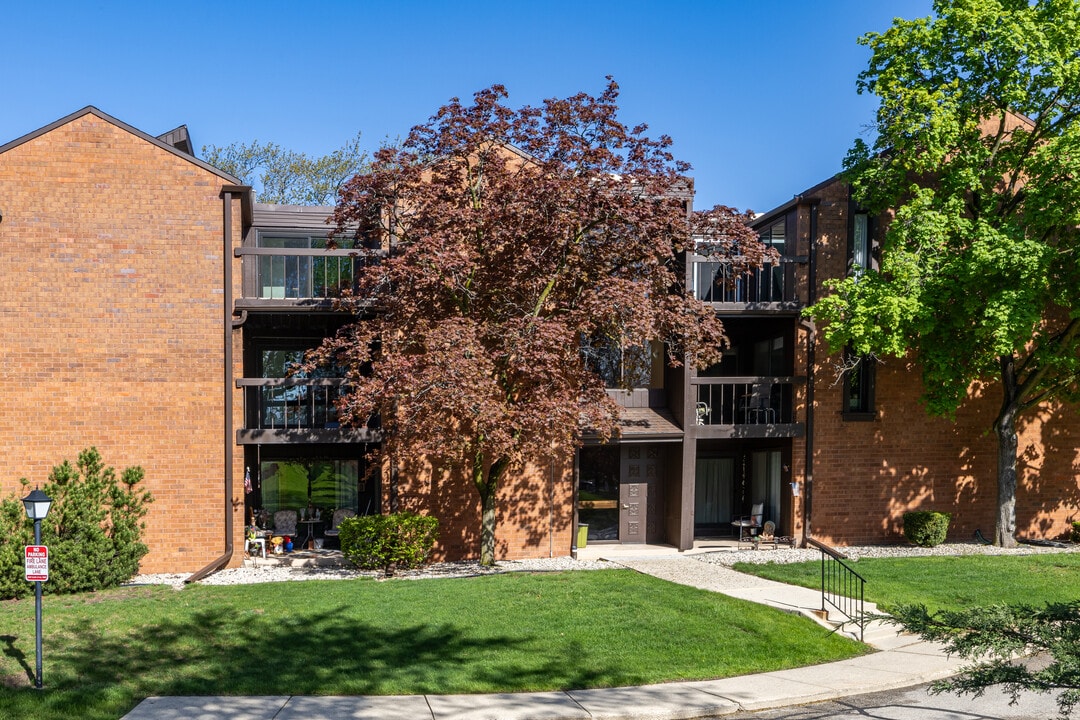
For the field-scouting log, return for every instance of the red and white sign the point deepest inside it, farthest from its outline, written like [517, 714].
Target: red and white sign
[37, 563]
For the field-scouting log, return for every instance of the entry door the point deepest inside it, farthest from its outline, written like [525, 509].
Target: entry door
[713, 494]
[634, 501]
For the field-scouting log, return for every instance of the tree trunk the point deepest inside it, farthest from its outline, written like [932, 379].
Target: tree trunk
[1005, 428]
[1005, 529]
[486, 486]
[487, 523]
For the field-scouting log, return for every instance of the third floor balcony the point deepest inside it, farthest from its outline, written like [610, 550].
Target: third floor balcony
[297, 278]
[769, 289]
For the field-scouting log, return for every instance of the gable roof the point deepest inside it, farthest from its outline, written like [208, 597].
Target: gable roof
[766, 218]
[91, 110]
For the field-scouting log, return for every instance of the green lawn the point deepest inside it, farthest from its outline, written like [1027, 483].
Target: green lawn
[516, 632]
[949, 582]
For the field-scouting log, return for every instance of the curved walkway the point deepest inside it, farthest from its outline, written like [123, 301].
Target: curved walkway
[902, 661]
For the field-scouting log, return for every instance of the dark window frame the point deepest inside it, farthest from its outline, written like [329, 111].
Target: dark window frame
[860, 377]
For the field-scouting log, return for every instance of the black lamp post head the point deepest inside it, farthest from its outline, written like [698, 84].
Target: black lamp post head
[37, 504]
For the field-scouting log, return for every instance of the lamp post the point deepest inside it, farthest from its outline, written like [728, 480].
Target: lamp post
[37, 506]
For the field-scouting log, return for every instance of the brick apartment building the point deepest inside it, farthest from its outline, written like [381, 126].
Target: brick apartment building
[152, 310]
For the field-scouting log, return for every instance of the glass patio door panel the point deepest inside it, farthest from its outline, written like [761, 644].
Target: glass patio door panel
[766, 469]
[325, 484]
[715, 480]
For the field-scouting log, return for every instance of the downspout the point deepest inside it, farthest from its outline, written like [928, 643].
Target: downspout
[811, 360]
[574, 479]
[227, 193]
[551, 508]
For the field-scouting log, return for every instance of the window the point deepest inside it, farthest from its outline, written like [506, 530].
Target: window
[621, 366]
[774, 236]
[858, 387]
[861, 242]
[298, 275]
[771, 278]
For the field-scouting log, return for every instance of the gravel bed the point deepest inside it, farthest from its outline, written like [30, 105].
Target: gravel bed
[284, 573]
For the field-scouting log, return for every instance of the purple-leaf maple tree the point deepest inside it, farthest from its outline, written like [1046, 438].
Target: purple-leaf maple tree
[511, 235]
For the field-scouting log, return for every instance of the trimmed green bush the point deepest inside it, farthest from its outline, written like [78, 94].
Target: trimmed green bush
[926, 528]
[388, 542]
[93, 530]
[1074, 536]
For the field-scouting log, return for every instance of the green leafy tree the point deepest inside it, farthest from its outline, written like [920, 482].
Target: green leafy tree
[286, 177]
[515, 234]
[999, 640]
[93, 529]
[977, 153]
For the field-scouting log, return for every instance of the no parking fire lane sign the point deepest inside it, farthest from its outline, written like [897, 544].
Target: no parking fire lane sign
[37, 563]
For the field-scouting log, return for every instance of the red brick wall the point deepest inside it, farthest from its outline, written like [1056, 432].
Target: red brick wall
[867, 474]
[528, 524]
[111, 324]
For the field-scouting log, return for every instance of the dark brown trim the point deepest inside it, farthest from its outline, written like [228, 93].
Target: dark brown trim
[307, 436]
[246, 213]
[229, 443]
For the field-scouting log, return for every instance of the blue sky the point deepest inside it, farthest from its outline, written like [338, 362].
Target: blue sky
[759, 96]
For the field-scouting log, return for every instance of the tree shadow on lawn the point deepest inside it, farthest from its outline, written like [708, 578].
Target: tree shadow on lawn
[218, 652]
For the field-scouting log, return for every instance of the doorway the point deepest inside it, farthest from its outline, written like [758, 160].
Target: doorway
[619, 492]
[728, 484]
[714, 495]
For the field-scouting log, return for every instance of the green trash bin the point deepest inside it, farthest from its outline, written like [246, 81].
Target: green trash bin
[582, 535]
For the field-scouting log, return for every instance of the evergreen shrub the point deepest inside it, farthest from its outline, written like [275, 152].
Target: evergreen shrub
[388, 542]
[1074, 536]
[93, 529]
[926, 528]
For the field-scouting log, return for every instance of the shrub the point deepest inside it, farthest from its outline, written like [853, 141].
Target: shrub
[388, 542]
[1074, 536]
[93, 530]
[926, 528]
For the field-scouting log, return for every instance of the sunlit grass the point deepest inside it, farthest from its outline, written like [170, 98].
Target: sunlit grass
[516, 632]
[949, 582]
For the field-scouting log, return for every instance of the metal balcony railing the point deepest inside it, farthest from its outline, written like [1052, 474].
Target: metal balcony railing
[716, 282]
[300, 273]
[745, 400]
[291, 403]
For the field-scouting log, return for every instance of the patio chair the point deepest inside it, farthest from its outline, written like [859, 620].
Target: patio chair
[760, 406]
[285, 523]
[339, 515]
[749, 524]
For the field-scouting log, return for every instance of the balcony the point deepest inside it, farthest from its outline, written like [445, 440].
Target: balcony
[746, 406]
[297, 278]
[289, 410]
[769, 289]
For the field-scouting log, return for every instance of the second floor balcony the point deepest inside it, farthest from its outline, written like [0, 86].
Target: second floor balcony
[746, 406]
[280, 410]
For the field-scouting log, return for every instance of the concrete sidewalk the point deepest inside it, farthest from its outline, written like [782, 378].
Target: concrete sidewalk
[902, 661]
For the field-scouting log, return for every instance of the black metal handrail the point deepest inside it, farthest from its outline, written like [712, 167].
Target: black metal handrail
[841, 587]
